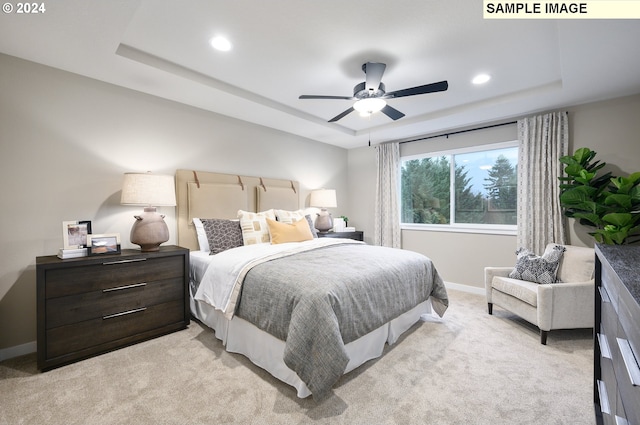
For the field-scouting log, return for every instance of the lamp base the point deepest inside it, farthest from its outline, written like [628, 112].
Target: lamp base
[149, 230]
[324, 221]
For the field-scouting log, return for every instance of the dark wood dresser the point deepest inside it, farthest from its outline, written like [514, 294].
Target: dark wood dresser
[617, 335]
[90, 305]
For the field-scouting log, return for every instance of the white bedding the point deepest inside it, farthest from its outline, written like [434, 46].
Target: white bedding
[266, 351]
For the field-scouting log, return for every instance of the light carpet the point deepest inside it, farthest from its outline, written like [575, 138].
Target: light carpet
[467, 368]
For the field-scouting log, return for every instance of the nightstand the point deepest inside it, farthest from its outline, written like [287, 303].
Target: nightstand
[357, 235]
[90, 305]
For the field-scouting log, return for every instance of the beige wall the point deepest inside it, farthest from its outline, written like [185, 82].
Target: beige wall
[65, 142]
[611, 128]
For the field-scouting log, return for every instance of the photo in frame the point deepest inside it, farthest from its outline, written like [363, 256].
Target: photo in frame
[74, 234]
[103, 244]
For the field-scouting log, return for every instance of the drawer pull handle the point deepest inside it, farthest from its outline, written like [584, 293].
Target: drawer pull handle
[134, 260]
[621, 421]
[124, 313]
[604, 295]
[629, 361]
[604, 398]
[120, 288]
[604, 346]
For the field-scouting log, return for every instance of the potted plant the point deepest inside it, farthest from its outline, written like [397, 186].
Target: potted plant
[609, 204]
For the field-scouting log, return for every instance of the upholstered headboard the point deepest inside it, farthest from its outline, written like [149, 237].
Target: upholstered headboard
[204, 194]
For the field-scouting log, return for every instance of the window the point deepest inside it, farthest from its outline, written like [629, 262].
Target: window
[474, 189]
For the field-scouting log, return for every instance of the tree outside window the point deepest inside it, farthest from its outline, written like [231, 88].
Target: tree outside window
[484, 188]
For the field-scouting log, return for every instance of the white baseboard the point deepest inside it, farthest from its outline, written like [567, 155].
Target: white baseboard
[18, 350]
[465, 288]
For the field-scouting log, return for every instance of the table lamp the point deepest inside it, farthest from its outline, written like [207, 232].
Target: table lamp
[151, 190]
[323, 199]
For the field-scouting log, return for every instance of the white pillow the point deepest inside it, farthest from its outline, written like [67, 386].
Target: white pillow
[203, 242]
[254, 226]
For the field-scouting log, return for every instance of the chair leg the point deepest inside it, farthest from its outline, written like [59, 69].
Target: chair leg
[543, 337]
[490, 307]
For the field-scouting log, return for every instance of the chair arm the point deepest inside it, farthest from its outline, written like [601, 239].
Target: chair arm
[566, 305]
[490, 273]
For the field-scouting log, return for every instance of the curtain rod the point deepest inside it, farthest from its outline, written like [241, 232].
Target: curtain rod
[459, 132]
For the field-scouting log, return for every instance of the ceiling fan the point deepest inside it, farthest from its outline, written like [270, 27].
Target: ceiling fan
[370, 96]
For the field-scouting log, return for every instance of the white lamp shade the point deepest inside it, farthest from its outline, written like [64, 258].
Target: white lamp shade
[148, 189]
[323, 198]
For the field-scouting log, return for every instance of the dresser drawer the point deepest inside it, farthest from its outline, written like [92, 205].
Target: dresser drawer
[110, 273]
[609, 319]
[629, 317]
[90, 305]
[608, 388]
[626, 365]
[83, 335]
[611, 284]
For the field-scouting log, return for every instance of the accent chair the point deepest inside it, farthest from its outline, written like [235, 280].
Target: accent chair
[566, 304]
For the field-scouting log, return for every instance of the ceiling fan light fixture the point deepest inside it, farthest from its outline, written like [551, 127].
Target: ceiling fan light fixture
[369, 105]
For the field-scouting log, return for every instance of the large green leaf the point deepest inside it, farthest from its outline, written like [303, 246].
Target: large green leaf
[618, 219]
[619, 199]
[592, 218]
[634, 193]
[567, 159]
[583, 155]
[573, 169]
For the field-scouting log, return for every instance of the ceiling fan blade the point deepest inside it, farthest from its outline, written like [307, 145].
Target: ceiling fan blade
[342, 115]
[373, 71]
[311, 96]
[392, 113]
[427, 88]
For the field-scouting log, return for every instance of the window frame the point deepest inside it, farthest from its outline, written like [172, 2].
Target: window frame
[493, 229]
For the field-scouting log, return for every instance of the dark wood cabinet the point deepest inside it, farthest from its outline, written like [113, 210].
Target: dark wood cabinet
[90, 305]
[617, 335]
[357, 235]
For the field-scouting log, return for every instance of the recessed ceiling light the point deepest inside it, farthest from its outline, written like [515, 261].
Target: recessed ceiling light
[481, 78]
[221, 43]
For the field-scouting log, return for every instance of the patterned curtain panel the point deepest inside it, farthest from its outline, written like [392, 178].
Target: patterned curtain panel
[543, 140]
[387, 215]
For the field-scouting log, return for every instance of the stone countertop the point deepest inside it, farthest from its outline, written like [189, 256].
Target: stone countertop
[625, 261]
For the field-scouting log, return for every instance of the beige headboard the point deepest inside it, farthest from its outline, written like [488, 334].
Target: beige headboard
[204, 194]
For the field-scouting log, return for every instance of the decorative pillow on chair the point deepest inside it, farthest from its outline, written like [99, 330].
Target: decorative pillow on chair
[533, 268]
[222, 234]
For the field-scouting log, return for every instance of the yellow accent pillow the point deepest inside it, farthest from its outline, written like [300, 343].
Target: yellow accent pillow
[284, 232]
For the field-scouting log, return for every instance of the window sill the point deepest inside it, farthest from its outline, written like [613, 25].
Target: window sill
[461, 228]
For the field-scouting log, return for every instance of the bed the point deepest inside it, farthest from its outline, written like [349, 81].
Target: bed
[306, 309]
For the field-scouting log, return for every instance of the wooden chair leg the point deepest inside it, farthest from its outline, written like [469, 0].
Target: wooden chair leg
[543, 337]
[490, 307]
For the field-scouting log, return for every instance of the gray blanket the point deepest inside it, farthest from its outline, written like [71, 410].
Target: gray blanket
[320, 300]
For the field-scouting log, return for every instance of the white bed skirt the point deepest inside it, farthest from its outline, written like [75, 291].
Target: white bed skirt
[267, 352]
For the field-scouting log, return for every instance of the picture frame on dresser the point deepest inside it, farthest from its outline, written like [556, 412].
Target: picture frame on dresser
[103, 244]
[74, 233]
